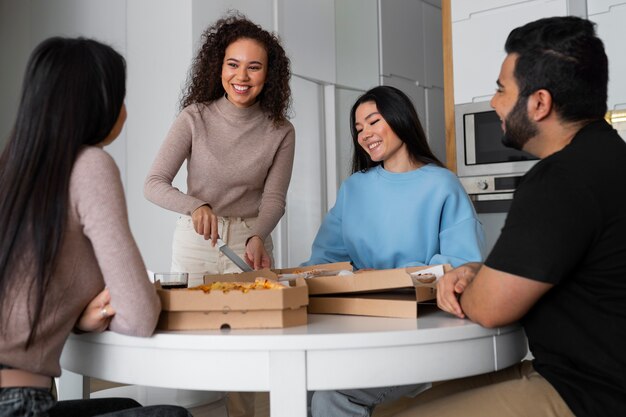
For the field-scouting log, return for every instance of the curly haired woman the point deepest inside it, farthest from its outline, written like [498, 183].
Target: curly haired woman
[239, 146]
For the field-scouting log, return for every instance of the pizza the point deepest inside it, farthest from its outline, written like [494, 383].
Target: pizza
[244, 287]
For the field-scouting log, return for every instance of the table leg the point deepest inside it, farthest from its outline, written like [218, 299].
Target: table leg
[71, 386]
[288, 393]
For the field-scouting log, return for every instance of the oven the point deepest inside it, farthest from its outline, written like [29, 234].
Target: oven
[488, 170]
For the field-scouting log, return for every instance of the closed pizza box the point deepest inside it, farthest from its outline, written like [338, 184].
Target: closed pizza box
[383, 293]
[185, 309]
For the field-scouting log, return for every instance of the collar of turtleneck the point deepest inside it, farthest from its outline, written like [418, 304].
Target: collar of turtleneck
[233, 112]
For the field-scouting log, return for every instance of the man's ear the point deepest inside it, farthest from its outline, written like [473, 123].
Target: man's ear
[539, 105]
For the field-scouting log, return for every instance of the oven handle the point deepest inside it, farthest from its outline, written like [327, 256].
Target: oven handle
[491, 197]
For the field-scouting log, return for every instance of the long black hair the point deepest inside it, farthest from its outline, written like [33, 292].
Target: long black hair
[400, 114]
[72, 95]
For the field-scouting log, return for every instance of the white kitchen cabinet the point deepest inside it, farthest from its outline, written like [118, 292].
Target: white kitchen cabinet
[435, 122]
[601, 6]
[433, 46]
[402, 39]
[610, 17]
[345, 99]
[479, 30]
[306, 204]
[307, 30]
[356, 42]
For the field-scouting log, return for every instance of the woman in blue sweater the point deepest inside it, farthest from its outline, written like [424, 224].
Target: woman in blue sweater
[400, 207]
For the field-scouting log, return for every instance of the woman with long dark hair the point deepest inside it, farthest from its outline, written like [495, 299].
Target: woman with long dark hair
[68, 260]
[399, 208]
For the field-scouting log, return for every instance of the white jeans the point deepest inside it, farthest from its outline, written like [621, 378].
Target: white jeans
[191, 253]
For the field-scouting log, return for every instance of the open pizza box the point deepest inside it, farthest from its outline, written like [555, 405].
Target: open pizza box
[386, 293]
[185, 309]
[331, 269]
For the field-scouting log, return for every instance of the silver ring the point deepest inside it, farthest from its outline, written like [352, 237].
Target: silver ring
[104, 313]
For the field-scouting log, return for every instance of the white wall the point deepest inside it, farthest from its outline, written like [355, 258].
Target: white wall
[160, 49]
[25, 23]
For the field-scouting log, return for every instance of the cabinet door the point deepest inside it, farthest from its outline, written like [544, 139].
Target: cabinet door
[356, 34]
[433, 46]
[435, 123]
[402, 39]
[306, 196]
[610, 17]
[478, 41]
[307, 29]
[345, 99]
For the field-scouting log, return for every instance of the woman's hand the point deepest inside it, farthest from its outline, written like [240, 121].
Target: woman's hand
[256, 255]
[451, 286]
[97, 315]
[205, 223]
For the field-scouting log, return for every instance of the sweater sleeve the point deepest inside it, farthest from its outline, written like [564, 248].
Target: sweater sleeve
[175, 149]
[101, 206]
[273, 201]
[329, 245]
[461, 236]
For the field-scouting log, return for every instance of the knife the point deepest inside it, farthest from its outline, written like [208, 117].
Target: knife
[230, 254]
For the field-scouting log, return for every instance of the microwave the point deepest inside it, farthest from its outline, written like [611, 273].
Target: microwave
[488, 170]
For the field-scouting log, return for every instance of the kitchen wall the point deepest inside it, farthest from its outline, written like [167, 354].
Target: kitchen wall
[338, 49]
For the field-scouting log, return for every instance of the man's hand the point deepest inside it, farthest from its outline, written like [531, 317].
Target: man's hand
[451, 286]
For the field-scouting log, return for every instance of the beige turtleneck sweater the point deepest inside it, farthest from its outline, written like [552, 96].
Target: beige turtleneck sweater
[237, 162]
[98, 249]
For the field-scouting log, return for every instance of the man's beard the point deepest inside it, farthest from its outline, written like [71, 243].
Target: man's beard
[519, 127]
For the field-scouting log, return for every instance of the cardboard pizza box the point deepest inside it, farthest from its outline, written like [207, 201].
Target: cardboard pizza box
[384, 293]
[185, 309]
[336, 266]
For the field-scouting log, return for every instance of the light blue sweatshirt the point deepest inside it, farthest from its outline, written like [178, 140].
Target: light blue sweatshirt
[386, 220]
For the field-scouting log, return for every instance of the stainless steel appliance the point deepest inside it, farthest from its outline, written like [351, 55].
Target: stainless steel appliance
[488, 170]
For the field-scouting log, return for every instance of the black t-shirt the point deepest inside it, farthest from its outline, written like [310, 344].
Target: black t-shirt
[567, 227]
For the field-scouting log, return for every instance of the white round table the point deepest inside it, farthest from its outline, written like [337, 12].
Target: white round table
[330, 352]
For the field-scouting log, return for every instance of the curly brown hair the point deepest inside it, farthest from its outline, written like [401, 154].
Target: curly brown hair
[204, 84]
